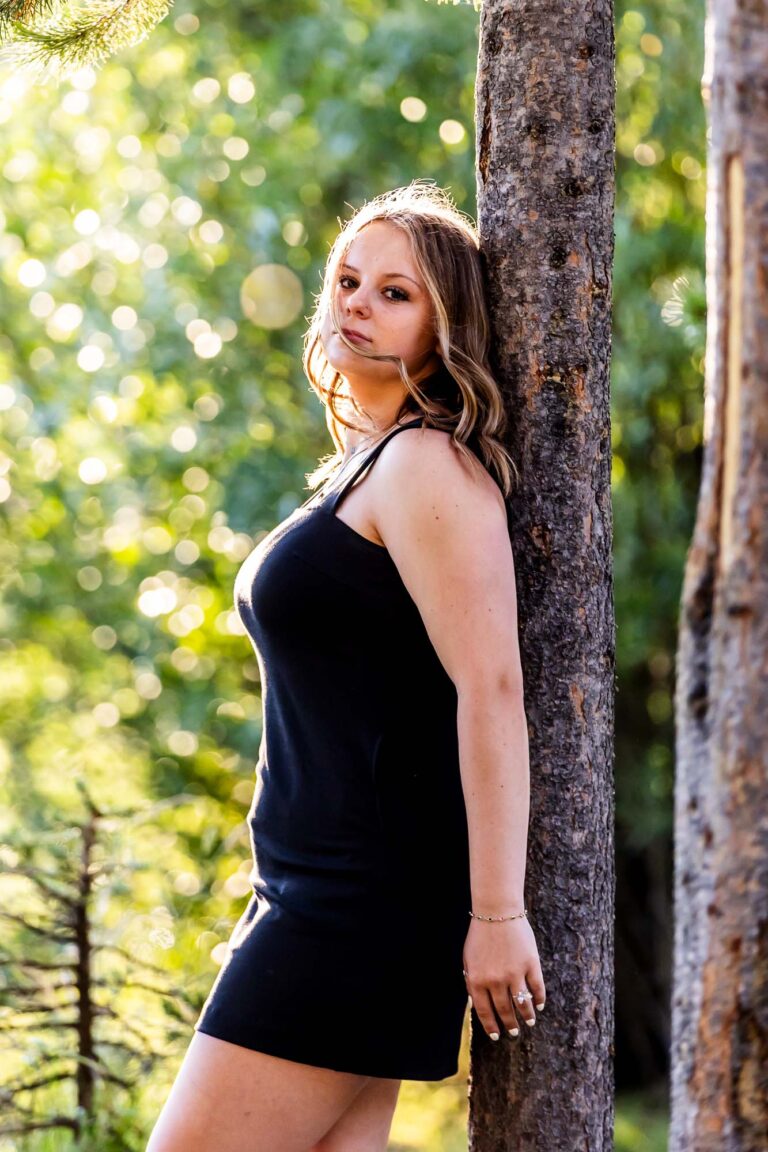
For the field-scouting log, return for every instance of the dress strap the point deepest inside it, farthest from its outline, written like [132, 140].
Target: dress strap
[335, 497]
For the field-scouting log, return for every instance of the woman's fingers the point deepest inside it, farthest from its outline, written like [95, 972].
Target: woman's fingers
[522, 998]
[536, 985]
[529, 992]
[504, 1009]
[491, 1000]
[481, 1002]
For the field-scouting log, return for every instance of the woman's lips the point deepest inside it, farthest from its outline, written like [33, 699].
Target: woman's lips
[355, 337]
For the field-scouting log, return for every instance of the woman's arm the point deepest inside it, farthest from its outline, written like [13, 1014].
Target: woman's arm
[493, 751]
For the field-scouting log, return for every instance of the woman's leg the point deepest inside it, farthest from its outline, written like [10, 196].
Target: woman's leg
[364, 1126]
[230, 1099]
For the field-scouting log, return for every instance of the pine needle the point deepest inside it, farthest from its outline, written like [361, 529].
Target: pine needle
[57, 44]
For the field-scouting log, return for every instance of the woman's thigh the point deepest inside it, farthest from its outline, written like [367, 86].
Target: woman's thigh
[230, 1099]
[364, 1126]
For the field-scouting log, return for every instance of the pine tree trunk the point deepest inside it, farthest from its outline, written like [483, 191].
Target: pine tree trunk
[720, 1001]
[545, 172]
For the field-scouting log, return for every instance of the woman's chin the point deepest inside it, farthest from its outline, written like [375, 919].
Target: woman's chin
[337, 354]
[344, 360]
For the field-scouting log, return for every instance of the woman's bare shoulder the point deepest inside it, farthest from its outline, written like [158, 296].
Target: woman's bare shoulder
[427, 460]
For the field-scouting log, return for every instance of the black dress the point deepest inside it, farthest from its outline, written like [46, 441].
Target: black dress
[349, 953]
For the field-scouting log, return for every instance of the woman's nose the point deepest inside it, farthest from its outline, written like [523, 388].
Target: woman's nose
[357, 300]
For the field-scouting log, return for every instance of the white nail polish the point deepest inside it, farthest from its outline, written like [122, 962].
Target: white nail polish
[540, 1006]
[530, 1022]
[493, 1035]
[514, 1031]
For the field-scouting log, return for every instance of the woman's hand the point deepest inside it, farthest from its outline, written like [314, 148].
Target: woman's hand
[501, 959]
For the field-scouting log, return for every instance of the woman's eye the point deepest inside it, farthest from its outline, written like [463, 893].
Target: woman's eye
[348, 283]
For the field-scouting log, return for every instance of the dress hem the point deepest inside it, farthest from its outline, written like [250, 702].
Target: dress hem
[274, 1047]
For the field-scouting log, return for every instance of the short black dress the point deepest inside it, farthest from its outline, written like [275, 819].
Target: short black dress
[349, 953]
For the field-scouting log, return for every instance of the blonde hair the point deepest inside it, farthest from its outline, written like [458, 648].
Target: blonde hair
[445, 249]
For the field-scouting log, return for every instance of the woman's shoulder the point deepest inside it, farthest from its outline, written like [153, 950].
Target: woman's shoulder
[426, 460]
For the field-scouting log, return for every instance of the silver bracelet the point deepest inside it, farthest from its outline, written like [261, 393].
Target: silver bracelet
[516, 916]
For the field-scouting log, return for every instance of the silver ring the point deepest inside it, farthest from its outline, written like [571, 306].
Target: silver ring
[521, 997]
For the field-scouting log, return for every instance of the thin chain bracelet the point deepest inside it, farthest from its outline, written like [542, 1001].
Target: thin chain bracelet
[516, 916]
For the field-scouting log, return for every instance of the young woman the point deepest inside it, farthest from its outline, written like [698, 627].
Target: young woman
[392, 792]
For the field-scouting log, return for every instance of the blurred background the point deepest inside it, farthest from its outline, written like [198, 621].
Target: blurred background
[163, 224]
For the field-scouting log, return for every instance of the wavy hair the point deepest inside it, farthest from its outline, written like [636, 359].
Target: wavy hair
[464, 399]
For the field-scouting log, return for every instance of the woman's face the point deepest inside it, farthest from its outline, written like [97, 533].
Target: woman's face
[381, 297]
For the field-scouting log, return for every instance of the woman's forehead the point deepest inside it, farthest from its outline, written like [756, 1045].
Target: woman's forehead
[381, 235]
[385, 246]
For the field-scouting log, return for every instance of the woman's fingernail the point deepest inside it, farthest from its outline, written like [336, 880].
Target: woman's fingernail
[493, 1035]
[514, 1031]
[540, 1006]
[531, 1022]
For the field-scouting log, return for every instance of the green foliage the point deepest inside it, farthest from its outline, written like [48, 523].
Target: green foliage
[658, 363]
[152, 427]
[154, 420]
[55, 40]
[642, 1123]
[84, 1015]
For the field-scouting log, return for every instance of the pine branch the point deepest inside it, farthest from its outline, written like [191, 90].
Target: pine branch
[121, 1046]
[136, 960]
[23, 1110]
[34, 1125]
[113, 1078]
[65, 1006]
[7, 1092]
[16, 962]
[35, 989]
[119, 819]
[102, 1070]
[42, 880]
[129, 983]
[131, 1029]
[37, 1026]
[23, 10]
[58, 46]
[40, 929]
[36, 1009]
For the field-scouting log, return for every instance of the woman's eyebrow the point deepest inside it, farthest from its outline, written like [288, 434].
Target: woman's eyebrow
[388, 275]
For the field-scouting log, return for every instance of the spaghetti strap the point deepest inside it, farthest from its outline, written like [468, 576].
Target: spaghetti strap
[334, 498]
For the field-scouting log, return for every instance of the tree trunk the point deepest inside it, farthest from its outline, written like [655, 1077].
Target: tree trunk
[720, 1001]
[545, 172]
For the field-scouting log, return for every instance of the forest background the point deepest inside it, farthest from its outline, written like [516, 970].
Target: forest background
[163, 224]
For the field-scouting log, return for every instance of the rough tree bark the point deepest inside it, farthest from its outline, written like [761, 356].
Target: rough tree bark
[720, 1000]
[545, 176]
